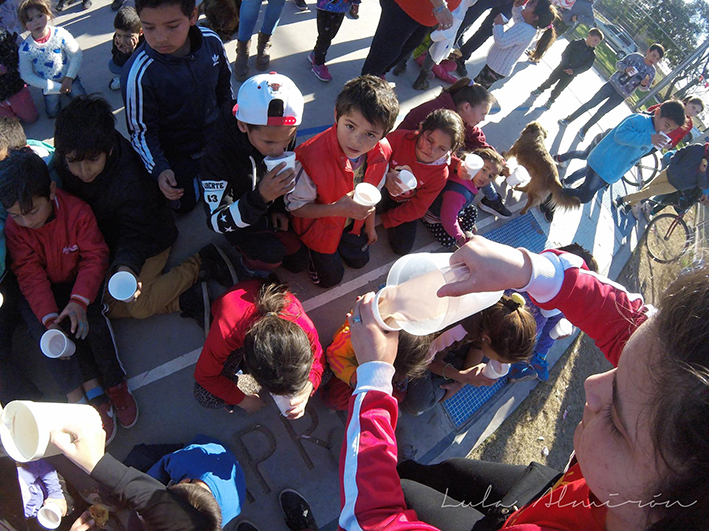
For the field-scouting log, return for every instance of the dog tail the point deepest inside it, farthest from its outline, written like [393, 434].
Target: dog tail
[561, 200]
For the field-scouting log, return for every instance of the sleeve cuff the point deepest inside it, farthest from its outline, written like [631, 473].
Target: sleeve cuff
[375, 376]
[547, 276]
[78, 299]
[49, 318]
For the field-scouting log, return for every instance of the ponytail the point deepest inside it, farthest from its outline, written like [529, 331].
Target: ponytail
[511, 328]
[547, 14]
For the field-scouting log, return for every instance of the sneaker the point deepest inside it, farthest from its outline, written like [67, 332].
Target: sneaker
[559, 162]
[618, 202]
[117, 4]
[399, 69]
[636, 211]
[354, 11]
[105, 411]
[460, 67]
[124, 405]
[61, 4]
[582, 134]
[194, 303]
[548, 104]
[313, 274]
[563, 122]
[536, 92]
[496, 208]
[321, 72]
[245, 525]
[311, 58]
[300, 4]
[547, 209]
[217, 266]
[86, 4]
[298, 515]
[115, 83]
[519, 372]
[540, 366]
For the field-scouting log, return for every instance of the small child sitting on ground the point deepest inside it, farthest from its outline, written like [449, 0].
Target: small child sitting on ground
[39, 484]
[504, 332]
[329, 166]
[15, 97]
[451, 218]
[60, 259]
[128, 35]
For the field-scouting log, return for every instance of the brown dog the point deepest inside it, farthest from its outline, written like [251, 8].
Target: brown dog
[530, 152]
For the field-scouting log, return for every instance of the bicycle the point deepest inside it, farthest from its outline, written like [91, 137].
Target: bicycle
[644, 170]
[668, 236]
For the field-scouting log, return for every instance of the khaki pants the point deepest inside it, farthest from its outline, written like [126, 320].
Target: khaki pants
[658, 186]
[160, 293]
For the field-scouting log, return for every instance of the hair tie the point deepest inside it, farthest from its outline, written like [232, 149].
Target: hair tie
[514, 302]
[271, 313]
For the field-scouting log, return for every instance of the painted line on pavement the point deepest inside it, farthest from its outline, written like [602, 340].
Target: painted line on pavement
[164, 370]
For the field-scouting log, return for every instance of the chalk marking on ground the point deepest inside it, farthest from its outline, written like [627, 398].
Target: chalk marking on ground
[164, 370]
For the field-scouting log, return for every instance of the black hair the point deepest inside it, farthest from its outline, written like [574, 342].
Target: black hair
[447, 121]
[12, 136]
[43, 6]
[465, 91]
[673, 110]
[23, 176]
[547, 14]
[186, 6]
[489, 154]
[85, 128]
[412, 359]
[657, 47]
[578, 250]
[127, 19]
[695, 100]
[277, 352]
[372, 97]
[203, 500]
[595, 32]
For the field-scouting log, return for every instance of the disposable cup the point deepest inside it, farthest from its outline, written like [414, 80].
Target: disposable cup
[495, 369]
[505, 20]
[288, 157]
[50, 516]
[473, 163]
[633, 71]
[55, 344]
[407, 180]
[25, 426]
[367, 194]
[122, 286]
[288, 404]
[519, 175]
[665, 140]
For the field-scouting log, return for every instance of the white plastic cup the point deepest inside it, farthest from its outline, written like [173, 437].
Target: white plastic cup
[55, 344]
[407, 180]
[50, 516]
[473, 163]
[288, 157]
[563, 328]
[518, 176]
[633, 71]
[25, 426]
[494, 369]
[666, 140]
[367, 194]
[289, 404]
[122, 286]
[505, 20]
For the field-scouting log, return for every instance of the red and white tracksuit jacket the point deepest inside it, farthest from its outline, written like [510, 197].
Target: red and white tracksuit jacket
[370, 490]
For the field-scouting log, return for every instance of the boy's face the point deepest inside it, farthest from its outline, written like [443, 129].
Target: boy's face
[126, 41]
[593, 41]
[652, 57]
[486, 174]
[87, 169]
[39, 213]
[166, 27]
[269, 140]
[662, 124]
[356, 135]
[36, 21]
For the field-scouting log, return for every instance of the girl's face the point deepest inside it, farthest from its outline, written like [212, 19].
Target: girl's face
[486, 174]
[433, 145]
[692, 109]
[528, 14]
[473, 115]
[612, 441]
[36, 22]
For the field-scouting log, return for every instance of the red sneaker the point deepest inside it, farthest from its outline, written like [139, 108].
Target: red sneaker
[105, 410]
[124, 404]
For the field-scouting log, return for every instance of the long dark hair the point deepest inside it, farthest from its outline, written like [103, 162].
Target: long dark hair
[465, 91]
[511, 328]
[547, 14]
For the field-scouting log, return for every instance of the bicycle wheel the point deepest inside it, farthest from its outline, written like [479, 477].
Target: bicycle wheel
[667, 238]
[644, 171]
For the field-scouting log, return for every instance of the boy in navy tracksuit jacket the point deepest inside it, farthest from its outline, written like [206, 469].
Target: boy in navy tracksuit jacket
[173, 87]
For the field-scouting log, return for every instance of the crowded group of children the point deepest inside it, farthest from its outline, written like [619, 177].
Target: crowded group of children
[97, 204]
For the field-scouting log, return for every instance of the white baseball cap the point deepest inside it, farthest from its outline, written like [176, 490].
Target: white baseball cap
[269, 92]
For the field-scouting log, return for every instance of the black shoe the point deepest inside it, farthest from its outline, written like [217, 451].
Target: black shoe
[86, 4]
[313, 274]
[194, 303]
[246, 526]
[536, 92]
[297, 511]
[547, 208]
[217, 266]
[400, 68]
[460, 68]
[60, 6]
[117, 4]
[421, 82]
[300, 4]
[496, 208]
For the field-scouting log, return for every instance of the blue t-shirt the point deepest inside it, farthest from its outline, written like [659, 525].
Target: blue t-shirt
[207, 460]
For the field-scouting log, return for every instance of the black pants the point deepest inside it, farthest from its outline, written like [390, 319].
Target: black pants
[484, 32]
[607, 93]
[563, 79]
[396, 37]
[353, 250]
[328, 25]
[591, 184]
[95, 356]
[435, 492]
[186, 169]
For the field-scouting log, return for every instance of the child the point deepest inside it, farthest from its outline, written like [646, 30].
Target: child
[98, 165]
[411, 362]
[472, 102]
[634, 71]
[15, 98]
[331, 225]
[244, 201]
[128, 36]
[621, 148]
[178, 65]
[504, 332]
[60, 260]
[39, 484]
[208, 476]
[329, 18]
[263, 327]
[547, 321]
[427, 154]
[576, 58]
[451, 217]
[510, 44]
[693, 106]
[50, 57]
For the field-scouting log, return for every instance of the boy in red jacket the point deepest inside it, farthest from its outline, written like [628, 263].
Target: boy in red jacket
[328, 167]
[60, 259]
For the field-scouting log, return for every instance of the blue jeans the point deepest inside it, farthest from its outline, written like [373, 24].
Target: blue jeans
[607, 92]
[114, 68]
[590, 186]
[248, 14]
[53, 102]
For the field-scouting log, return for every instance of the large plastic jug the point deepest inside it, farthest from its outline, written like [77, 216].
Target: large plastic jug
[409, 302]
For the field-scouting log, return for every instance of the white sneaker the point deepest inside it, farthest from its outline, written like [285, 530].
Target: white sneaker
[115, 83]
